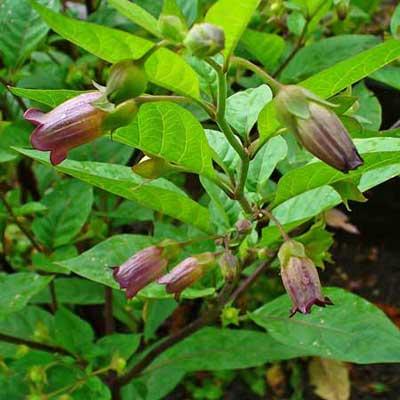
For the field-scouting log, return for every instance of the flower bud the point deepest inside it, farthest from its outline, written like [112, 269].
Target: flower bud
[187, 272]
[144, 267]
[342, 8]
[229, 266]
[153, 167]
[243, 226]
[127, 80]
[300, 278]
[317, 128]
[172, 28]
[69, 125]
[205, 40]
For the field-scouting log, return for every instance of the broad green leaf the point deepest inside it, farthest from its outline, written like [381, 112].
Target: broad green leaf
[96, 263]
[117, 344]
[233, 17]
[72, 333]
[109, 44]
[242, 108]
[69, 206]
[351, 330]
[370, 109]
[169, 70]
[265, 47]
[72, 291]
[169, 131]
[377, 152]
[157, 311]
[17, 289]
[336, 78]
[51, 98]
[264, 164]
[136, 14]
[13, 134]
[160, 195]
[325, 53]
[21, 29]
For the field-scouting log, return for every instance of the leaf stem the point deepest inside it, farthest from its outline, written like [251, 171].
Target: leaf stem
[108, 311]
[275, 220]
[269, 80]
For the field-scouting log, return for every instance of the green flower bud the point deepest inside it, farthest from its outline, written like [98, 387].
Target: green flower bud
[127, 80]
[153, 167]
[37, 374]
[230, 316]
[342, 8]
[205, 40]
[317, 128]
[172, 28]
[118, 364]
[229, 266]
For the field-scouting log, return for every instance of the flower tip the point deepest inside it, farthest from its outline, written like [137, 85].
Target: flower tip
[34, 116]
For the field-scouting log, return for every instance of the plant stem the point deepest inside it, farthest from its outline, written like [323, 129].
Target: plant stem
[108, 311]
[275, 220]
[300, 41]
[272, 83]
[34, 345]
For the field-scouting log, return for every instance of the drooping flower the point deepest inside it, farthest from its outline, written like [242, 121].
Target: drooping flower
[317, 127]
[205, 40]
[141, 269]
[71, 124]
[300, 278]
[187, 272]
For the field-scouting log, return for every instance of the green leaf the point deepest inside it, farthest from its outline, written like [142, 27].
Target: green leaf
[377, 152]
[17, 289]
[336, 78]
[96, 263]
[233, 17]
[242, 108]
[390, 75]
[51, 98]
[69, 206]
[157, 311]
[136, 14]
[109, 44]
[370, 109]
[352, 330]
[325, 53]
[72, 291]
[72, 333]
[395, 23]
[264, 164]
[171, 71]
[160, 195]
[21, 29]
[123, 345]
[265, 47]
[169, 131]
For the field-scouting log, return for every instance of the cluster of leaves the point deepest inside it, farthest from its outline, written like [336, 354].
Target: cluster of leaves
[63, 228]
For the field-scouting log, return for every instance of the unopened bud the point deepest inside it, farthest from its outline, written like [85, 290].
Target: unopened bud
[172, 28]
[37, 374]
[243, 226]
[317, 128]
[187, 272]
[229, 266]
[144, 267]
[118, 364]
[153, 167]
[342, 8]
[127, 80]
[205, 40]
[300, 278]
[230, 316]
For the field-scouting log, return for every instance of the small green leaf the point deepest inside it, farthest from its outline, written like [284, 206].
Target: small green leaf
[169, 70]
[51, 98]
[395, 23]
[136, 14]
[69, 206]
[72, 333]
[351, 330]
[157, 311]
[169, 131]
[96, 263]
[18, 288]
[160, 194]
[233, 17]
[242, 108]
[122, 345]
[109, 44]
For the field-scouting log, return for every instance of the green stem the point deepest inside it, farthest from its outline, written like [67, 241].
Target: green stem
[276, 221]
[268, 79]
